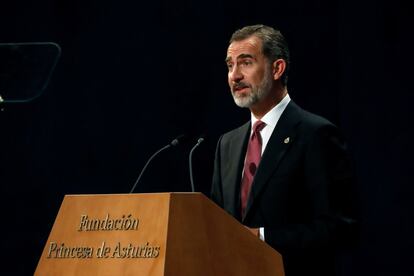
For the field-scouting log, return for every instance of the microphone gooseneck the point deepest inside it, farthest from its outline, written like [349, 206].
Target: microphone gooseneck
[190, 162]
[174, 143]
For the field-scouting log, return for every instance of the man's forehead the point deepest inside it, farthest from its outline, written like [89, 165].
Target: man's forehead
[251, 46]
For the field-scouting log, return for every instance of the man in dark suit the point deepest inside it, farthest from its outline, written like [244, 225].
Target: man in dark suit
[285, 174]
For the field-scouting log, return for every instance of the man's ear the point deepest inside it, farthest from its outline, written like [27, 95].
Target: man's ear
[278, 68]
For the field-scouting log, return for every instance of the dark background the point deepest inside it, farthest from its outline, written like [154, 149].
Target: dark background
[134, 75]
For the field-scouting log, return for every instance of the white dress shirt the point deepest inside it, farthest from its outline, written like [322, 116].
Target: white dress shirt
[270, 118]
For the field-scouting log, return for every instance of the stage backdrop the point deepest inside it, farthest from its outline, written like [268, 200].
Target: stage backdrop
[133, 75]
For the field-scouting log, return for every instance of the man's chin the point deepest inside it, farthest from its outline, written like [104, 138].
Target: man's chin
[245, 102]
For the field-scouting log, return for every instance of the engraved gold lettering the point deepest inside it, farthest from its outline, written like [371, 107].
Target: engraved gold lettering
[124, 223]
[156, 252]
[52, 248]
[128, 223]
[110, 225]
[117, 251]
[103, 251]
[117, 222]
[83, 221]
[133, 251]
[149, 252]
[144, 251]
[65, 252]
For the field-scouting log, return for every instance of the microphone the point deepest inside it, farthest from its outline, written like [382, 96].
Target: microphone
[173, 143]
[190, 162]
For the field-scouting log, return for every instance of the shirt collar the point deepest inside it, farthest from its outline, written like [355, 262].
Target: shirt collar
[272, 117]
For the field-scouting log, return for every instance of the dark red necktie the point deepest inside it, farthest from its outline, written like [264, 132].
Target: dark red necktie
[253, 155]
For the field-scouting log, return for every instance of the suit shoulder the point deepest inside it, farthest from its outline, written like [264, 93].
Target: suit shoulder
[314, 122]
[241, 130]
[310, 124]
[318, 127]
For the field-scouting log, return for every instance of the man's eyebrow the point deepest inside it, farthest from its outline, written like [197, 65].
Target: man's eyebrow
[245, 56]
[241, 56]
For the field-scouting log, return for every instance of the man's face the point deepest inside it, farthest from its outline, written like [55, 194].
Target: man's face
[249, 72]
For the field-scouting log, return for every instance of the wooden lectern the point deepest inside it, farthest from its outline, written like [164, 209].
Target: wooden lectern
[168, 234]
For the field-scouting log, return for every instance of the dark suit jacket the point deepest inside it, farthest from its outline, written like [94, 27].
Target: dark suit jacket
[300, 193]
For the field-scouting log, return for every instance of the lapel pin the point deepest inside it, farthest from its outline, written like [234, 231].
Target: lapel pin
[287, 140]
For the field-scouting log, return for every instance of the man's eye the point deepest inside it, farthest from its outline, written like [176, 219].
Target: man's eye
[229, 66]
[246, 62]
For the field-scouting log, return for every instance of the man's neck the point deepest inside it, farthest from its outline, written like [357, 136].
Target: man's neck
[265, 105]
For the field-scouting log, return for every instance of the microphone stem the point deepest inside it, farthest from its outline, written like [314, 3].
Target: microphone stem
[146, 165]
[190, 163]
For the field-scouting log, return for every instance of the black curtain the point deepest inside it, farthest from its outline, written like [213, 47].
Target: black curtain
[134, 75]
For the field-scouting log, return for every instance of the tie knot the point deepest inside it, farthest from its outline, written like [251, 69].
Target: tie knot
[258, 126]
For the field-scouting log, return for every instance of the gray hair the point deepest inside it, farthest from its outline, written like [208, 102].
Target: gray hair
[274, 44]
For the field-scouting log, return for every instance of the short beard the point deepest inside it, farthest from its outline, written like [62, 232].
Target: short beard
[256, 94]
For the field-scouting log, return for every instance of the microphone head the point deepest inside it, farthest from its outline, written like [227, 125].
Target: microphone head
[177, 140]
[174, 142]
[200, 140]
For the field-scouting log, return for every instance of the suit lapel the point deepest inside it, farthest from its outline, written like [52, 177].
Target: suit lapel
[237, 150]
[282, 138]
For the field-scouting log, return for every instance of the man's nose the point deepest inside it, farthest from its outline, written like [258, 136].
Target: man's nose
[235, 74]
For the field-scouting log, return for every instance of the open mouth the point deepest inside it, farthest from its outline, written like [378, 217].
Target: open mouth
[240, 88]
